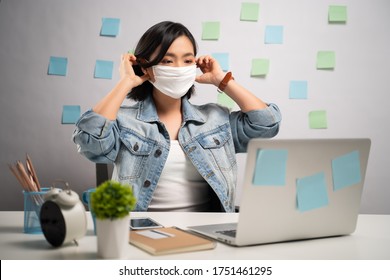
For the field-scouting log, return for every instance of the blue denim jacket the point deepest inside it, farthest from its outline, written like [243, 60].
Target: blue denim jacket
[137, 143]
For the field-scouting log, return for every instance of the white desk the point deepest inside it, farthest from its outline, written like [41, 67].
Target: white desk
[371, 240]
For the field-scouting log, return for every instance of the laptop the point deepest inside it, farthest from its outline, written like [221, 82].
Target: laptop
[297, 189]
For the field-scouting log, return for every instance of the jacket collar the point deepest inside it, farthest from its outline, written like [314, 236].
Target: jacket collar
[147, 111]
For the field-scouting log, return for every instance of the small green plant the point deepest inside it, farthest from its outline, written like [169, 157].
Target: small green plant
[112, 200]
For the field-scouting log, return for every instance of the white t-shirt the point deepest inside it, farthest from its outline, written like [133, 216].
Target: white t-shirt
[181, 187]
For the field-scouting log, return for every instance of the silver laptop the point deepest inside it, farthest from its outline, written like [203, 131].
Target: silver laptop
[297, 189]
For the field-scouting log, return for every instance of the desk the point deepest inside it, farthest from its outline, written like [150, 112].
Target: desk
[371, 240]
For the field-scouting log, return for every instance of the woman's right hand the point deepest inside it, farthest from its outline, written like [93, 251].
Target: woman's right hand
[126, 71]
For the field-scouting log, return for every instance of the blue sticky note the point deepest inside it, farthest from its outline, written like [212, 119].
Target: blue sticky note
[270, 169]
[58, 66]
[298, 90]
[223, 60]
[103, 69]
[110, 27]
[346, 170]
[273, 34]
[312, 192]
[70, 114]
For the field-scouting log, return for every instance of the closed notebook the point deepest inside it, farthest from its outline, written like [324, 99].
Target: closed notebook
[169, 240]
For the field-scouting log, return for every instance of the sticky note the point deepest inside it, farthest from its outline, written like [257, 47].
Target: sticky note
[346, 170]
[70, 114]
[103, 69]
[337, 14]
[260, 67]
[210, 30]
[273, 34]
[326, 60]
[223, 60]
[224, 100]
[318, 119]
[58, 66]
[270, 169]
[249, 11]
[110, 27]
[312, 192]
[298, 90]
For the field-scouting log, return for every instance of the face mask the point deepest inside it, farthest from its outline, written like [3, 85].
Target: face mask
[174, 81]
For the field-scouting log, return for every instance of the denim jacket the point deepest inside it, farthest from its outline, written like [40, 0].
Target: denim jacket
[137, 143]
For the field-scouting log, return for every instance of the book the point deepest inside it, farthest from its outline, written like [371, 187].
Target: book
[169, 240]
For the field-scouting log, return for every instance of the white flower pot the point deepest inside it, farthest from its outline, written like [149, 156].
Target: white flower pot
[113, 238]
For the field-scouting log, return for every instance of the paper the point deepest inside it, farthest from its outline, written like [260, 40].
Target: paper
[318, 120]
[249, 11]
[260, 67]
[270, 169]
[225, 100]
[223, 60]
[312, 192]
[103, 69]
[210, 30]
[326, 60]
[110, 27]
[153, 234]
[273, 34]
[70, 114]
[346, 170]
[337, 14]
[298, 90]
[58, 66]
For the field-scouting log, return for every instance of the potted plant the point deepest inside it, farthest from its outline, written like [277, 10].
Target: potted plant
[111, 204]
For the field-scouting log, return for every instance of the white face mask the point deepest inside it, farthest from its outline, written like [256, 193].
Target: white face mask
[174, 81]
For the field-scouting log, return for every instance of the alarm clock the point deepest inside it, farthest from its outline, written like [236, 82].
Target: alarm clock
[63, 217]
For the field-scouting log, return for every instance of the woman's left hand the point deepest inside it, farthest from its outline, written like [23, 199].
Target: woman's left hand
[212, 71]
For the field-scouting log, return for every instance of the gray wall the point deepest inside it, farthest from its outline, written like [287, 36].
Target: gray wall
[355, 94]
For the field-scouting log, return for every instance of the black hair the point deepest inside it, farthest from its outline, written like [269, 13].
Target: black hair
[160, 35]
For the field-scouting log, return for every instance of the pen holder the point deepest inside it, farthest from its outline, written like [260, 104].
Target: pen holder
[32, 206]
[87, 200]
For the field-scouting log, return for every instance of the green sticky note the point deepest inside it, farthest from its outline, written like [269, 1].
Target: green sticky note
[318, 120]
[225, 100]
[337, 14]
[270, 169]
[58, 66]
[70, 114]
[260, 67]
[210, 30]
[312, 192]
[298, 90]
[346, 170]
[326, 60]
[249, 11]
[103, 69]
[110, 27]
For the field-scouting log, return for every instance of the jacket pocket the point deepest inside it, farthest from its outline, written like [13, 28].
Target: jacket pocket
[218, 145]
[133, 155]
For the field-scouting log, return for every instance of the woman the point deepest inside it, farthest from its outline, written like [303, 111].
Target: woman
[175, 155]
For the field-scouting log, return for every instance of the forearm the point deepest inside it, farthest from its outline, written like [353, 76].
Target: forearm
[246, 100]
[109, 106]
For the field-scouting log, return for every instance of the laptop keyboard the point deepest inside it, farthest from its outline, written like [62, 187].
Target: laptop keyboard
[231, 232]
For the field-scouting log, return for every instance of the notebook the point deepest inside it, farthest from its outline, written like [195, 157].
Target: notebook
[169, 240]
[297, 189]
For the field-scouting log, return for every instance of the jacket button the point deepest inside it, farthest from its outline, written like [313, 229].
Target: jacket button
[157, 153]
[147, 184]
[136, 147]
[216, 141]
